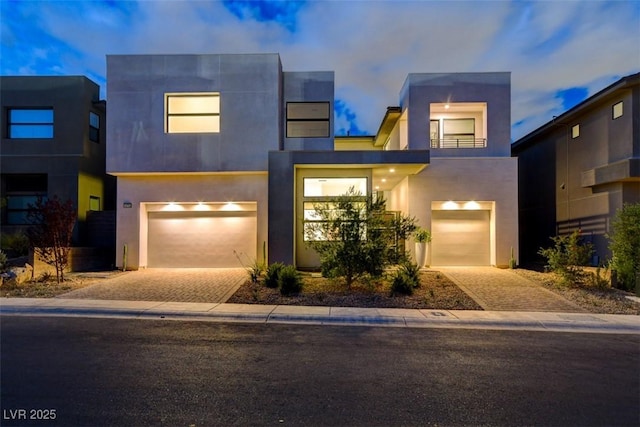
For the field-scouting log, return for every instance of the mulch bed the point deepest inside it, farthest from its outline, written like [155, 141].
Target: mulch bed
[435, 292]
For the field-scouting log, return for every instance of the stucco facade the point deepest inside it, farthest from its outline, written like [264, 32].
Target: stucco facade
[577, 170]
[241, 189]
[54, 144]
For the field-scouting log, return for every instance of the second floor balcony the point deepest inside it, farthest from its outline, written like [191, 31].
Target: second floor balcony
[458, 143]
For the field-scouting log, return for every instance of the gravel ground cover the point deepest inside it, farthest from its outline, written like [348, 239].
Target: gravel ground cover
[435, 292]
[591, 298]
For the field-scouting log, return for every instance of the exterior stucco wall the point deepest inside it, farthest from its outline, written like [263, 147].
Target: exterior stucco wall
[69, 159]
[250, 112]
[568, 183]
[313, 86]
[422, 89]
[472, 179]
[212, 188]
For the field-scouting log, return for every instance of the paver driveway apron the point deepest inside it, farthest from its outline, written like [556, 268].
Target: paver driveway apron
[503, 290]
[213, 285]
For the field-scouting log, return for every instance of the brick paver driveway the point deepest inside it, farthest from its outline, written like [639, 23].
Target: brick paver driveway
[503, 290]
[166, 284]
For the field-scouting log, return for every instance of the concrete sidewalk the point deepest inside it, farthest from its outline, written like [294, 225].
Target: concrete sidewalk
[315, 315]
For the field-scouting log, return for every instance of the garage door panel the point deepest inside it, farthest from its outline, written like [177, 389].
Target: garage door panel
[195, 239]
[460, 238]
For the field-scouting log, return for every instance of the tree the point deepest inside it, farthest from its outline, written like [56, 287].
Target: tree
[52, 223]
[355, 236]
[625, 245]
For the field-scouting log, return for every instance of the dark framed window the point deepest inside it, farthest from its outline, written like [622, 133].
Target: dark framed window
[575, 131]
[617, 110]
[22, 191]
[308, 119]
[192, 112]
[94, 203]
[94, 127]
[459, 129]
[30, 123]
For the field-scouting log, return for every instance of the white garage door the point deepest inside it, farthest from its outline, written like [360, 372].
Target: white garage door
[460, 237]
[200, 239]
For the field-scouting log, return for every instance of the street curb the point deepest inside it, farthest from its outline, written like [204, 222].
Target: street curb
[460, 319]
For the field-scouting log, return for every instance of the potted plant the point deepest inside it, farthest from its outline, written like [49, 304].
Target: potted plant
[422, 237]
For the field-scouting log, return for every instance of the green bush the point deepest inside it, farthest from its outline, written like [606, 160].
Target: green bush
[290, 281]
[567, 256]
[15, 244]
[272, 275]
[401, 283]
[412, 271]
[625, 245]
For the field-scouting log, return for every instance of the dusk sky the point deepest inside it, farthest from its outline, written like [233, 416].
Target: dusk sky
[559, 52]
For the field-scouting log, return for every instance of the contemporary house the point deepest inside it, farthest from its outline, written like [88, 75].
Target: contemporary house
[54, 144]
[220, 157]
[578, 169]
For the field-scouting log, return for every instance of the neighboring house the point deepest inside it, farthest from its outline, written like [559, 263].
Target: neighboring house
[220, 156]
[53, 144]
[577, 170]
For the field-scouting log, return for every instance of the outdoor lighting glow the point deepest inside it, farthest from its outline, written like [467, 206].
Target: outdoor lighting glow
[472, 205]
[172, 206]
[377, 187]
[202, 207]
[230, 206]
[446, 106]
[392, 170]
[384, 179]
[450, 206]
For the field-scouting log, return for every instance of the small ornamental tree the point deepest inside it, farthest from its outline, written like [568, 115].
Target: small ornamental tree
[52, 223]
[625, 245]
[568, 256]
[354, 236]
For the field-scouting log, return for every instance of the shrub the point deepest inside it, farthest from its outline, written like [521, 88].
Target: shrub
[567, 256]
[15, 244]
[412, 271]
[272, 275]
[401, 283]
[290, 281]
[625, 245]
[3, 261]
[422, 235]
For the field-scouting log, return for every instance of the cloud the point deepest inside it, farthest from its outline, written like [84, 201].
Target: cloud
[549, 47]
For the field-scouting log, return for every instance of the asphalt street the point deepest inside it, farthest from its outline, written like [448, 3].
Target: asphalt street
[107, 372]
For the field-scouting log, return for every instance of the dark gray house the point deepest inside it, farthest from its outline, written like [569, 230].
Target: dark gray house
[54, 144]
[577, 170]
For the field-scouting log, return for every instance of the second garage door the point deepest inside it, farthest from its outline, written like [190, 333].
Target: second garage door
[460, 237]
[201, 239]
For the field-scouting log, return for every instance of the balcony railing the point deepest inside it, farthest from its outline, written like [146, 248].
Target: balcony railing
[459, 143]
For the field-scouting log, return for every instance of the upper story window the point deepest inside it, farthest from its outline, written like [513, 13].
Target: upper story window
[94, 127]
[192, 112]
[575, 131]
[308, 119]
[617, 110]
[458, 125]
[30, 123]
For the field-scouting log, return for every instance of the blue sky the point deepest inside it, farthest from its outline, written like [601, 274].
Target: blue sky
[559, 52]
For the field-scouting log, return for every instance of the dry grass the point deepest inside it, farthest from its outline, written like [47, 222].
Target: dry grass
[604, 300]
[435, 292]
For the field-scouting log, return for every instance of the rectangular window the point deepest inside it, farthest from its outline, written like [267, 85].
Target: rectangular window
[94, 127]
[192, 112]
[317, 224]
[617, 110]
[575, 131]
[308, 119]
[30, 123]
[94, 203]
[458, 129]
[331, 187]
[434, 130]
[22, 190]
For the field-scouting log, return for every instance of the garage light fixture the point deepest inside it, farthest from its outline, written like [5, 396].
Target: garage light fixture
[450, 206]
[472, 206]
